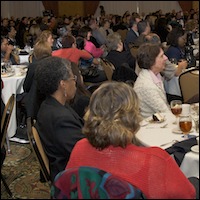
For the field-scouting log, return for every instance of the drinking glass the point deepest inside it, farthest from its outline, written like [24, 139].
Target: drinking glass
[173, 61]
[176, 108]
[185, 124]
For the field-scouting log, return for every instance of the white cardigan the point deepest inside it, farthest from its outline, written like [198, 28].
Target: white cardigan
[152, 96]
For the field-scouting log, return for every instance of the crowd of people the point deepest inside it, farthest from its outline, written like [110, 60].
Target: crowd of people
[98, 129]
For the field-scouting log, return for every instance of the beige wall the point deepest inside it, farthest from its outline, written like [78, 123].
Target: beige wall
[71, 8]
[195, 5]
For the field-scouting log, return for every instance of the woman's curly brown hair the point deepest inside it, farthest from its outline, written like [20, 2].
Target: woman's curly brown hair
[113, 116]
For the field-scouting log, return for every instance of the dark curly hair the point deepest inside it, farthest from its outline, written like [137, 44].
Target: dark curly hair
[50, 72]
[174, 35]
[84, 31]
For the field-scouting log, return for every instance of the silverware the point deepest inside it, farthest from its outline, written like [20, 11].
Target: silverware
[173, 142]
[163, 126]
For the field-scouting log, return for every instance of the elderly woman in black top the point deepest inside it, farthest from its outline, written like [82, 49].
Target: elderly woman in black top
[59, 126]
[123, 61]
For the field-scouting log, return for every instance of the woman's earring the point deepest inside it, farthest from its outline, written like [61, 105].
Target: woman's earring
[65, 93]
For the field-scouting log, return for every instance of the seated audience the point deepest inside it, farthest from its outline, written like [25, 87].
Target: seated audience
[45, 36]
[119, 58]
[86, 33]
[81, 100]
[70, 51]
[110, 145]
[89, 68]
[119, 24]
[170, 69]
[34, 33]
[58, 125]
[32, 97]
[61, 32]
[132, 33]
[149, 84]
[96, 38]
[11, 35]
[143, 29]
[22, 32]
[7, 52]
[105, 29]
[176, 40]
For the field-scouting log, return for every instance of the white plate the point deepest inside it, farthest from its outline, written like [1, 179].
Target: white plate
[195, 148]
[150, 120]
[23, 66]
[175, 130]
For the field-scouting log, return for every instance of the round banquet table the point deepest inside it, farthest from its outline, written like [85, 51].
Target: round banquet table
[151, 134]
[12, 85]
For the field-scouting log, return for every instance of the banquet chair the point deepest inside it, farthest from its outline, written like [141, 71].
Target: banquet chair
[4, 126]
[38, 149]
[93, 86]
[122, 33]
[189, 83]
[108, 68]
[6, 119]
[133, 50]
[92, 183]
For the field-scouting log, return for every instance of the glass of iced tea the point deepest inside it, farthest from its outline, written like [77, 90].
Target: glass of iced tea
[176, 108]
[185, 124]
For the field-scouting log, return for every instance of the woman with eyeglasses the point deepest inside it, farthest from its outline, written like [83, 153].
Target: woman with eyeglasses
[58, 125]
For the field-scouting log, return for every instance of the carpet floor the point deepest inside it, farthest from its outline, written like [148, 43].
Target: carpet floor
[22, 174]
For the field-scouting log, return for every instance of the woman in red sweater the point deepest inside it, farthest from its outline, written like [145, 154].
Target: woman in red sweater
[69, 50]
[110, 125]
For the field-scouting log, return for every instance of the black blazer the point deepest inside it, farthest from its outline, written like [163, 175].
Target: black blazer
[33, 97]
[59, 128]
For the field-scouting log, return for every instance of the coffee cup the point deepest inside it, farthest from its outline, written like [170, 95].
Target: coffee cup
[185, 109]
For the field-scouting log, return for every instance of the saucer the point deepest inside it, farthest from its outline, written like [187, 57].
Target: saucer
[150, 120]
[195, 148]
[175, 130]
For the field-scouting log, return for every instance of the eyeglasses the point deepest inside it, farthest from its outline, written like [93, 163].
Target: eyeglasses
[74, 78]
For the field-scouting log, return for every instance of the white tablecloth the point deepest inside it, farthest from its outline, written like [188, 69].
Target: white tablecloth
[12, 85]
[152, 135]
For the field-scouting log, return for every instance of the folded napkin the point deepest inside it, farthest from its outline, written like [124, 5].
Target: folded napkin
[179, 149]
[23, 53]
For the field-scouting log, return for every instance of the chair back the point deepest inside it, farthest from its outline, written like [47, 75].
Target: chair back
[108, 68]
[133, 50]
[37, 148]
[6, 117]
[92, 183]
[93, 86]
[122, 33]
[189, 83]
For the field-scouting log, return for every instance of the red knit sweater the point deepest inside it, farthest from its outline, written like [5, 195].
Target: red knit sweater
[151, 169]
[72, 54]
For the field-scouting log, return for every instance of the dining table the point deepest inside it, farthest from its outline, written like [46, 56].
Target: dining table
[165, 134]
[13, 84]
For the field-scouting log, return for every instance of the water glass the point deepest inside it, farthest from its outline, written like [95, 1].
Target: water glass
[173, 61]
[185, 124]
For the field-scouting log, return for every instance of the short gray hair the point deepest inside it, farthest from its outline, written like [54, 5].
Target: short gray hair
[113, 40]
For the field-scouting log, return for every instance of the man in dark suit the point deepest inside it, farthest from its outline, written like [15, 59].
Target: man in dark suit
[132, 34]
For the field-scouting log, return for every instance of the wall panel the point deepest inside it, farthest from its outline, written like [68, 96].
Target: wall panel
[71, 8]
